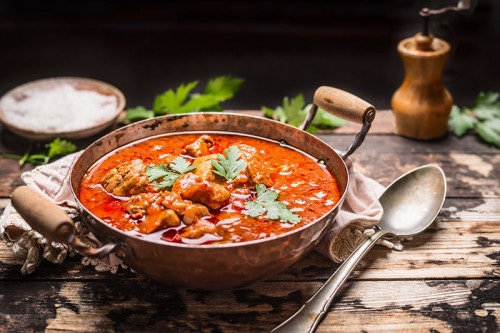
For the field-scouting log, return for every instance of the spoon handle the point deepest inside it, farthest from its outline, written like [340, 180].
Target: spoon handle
[308, 317]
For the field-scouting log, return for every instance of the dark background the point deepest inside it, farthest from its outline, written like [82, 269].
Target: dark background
[279, 47]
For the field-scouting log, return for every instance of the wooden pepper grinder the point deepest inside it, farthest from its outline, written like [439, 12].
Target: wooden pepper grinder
[422, 104]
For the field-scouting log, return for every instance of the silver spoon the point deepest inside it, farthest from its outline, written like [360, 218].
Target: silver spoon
[411, 203]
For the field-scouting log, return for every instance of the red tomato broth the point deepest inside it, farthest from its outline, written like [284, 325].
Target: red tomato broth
[307, 187]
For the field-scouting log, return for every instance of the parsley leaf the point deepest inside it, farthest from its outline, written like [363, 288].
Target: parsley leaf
[294, 111]
[181, 165]
[229, 166]
[57, 147]
[483, 118]
[136, 114]
[490, 131]
[156, 171]
[266, 202]
[461, 122]
[177, 168]
[223, 87]
[170, 101]
[183, 100]
[60, 147]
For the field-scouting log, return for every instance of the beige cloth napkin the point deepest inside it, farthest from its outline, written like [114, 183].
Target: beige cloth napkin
[359, 214]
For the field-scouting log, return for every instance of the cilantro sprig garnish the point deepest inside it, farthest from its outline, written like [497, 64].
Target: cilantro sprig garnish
[229, 166]
[483, 118]
[175, 169]
[294, 111]
[183, 100]
[56, 148]
[266, 202]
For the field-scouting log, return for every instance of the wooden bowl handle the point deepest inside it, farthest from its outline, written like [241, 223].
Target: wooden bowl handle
[343, 104]
[43, 215]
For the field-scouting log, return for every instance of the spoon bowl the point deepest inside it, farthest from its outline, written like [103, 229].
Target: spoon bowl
[411, 203]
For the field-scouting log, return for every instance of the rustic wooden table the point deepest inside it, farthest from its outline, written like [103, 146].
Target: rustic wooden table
[446, 279]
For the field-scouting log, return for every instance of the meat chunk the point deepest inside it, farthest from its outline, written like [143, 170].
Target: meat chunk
[246, 150]
[194, 212]
[159, 220]
[200, 147]
[204, 167]
[192, 187]
[241, 180]
[174, 201]
[163, 210]
[155, 216]
[257, 172]
[199, 229]
[126, 179]
[138, 204]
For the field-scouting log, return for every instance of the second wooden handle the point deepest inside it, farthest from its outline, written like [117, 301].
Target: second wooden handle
[342, 104]
[42, 214]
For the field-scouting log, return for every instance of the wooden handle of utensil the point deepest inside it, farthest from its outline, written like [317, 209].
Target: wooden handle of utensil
[343, 104]
[42, 214]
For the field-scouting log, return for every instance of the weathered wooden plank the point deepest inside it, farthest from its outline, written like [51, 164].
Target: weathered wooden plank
[463, 242]
[447, 250]
[397, 144]
[467, 175]
[462, 305]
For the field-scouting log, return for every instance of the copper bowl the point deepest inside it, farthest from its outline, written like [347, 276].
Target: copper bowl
[221, 266]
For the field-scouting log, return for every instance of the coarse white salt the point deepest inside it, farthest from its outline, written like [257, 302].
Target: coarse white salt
[62, 108]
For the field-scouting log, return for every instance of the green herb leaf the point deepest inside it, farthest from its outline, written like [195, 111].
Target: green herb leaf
[156, 171]
[223, 87]
[199, 103]
[183, 100]
[461, 122]
[177, 168]
[266, 202]
[60, 147]
[136, 114]
[229, 166]
[483, 118]
[168, 181]
[180, 165]
[324, 119]
[489, 131]
[170, 101]
[486, 98]
[24, 158]
[294, 111]
[57, 147]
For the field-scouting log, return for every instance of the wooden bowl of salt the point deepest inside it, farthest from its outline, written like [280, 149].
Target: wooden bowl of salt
[63, 107]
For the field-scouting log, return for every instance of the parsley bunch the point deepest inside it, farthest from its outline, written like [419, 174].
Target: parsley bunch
[177, 168]
[294, 111]
[57, 147]
[266, 203]
[217, 90]
[483, 118]
[229, 166]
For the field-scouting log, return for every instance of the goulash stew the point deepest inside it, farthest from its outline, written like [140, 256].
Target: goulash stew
[208, 188]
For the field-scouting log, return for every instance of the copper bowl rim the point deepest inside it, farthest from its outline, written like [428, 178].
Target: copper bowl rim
[126, 234]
